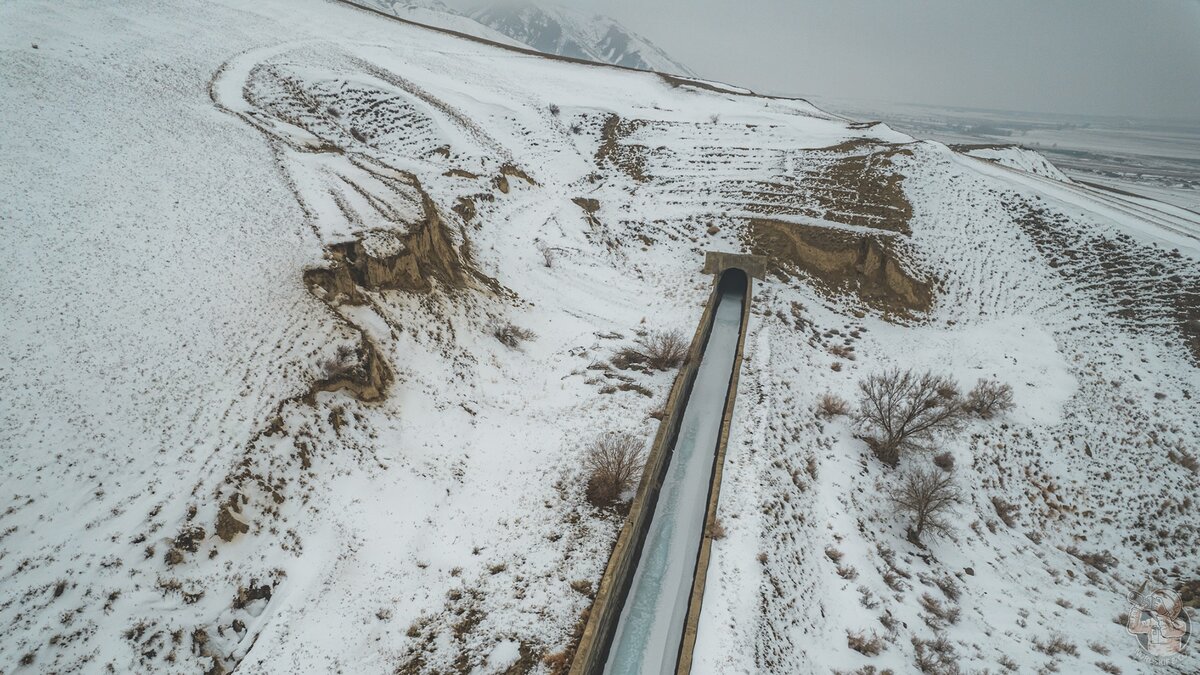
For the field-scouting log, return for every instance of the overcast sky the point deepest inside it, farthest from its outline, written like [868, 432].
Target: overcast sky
[1106, 57]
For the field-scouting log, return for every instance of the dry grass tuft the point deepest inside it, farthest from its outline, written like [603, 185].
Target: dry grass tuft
[717, 530]
[832, 405]
[511, 335]
[944, 461]
[1057, 644]
[863, 644]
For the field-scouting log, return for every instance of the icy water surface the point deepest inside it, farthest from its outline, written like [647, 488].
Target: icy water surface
[651, 625]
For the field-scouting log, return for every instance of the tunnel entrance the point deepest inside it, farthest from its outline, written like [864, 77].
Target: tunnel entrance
[733, 280]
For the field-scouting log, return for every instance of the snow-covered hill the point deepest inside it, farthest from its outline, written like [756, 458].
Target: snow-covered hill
[255, 259]
[1016, 157]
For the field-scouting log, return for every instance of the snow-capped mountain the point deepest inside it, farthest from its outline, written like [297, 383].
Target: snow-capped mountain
[548, 29]
[437, 14]
[566, 32]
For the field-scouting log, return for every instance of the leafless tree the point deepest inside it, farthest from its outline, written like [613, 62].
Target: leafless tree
[929, 497]
[614, 463]
[905, 409]
[989, 398]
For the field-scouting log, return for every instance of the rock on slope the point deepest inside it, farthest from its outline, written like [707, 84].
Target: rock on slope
[256, 413]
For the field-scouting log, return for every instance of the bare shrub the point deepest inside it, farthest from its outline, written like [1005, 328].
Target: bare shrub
[717, 530]
[554, 109]
[948, 587]
[905, 409]
[863, 644]
[511, 335]
[665, 349]
[989, 398]
[1108, 667]
[944, 461]
[938, 613]
[1185, 459]
[614, 462]
[929, 497]
[935, 657]
[1057, 644]
[629, 358]
[893, 580]
[661, 350]
[343, 362]
[842, 352]
[832, 405]
[1101, 560]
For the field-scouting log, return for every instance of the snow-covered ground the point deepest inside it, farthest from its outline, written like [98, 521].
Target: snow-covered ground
[198, 471]
[1158, 159]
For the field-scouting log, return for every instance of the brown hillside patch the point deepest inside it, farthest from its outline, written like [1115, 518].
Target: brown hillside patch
[859, 185]
[380, 260]
[853, 183]
[867, 265]
[629, 158]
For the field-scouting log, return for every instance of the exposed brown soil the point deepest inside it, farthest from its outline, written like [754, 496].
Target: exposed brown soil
[410, 262]
[629, 158]
[229, 520]
[864, 264]
[860, 185]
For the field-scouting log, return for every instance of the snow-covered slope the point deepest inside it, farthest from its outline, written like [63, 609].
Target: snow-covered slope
[1016, 157]
[566, 32]
[255, 259]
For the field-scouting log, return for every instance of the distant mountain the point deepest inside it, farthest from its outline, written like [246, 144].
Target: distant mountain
[435, 13]
[548, 29]
[566, 32]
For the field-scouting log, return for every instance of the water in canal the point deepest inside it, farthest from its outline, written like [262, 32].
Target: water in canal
[650, 629]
